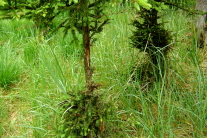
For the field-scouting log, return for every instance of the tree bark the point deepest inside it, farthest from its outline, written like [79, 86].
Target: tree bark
[87, 66]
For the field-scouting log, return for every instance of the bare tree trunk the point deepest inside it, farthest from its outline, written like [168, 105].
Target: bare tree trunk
[87, 66]
[200, 23]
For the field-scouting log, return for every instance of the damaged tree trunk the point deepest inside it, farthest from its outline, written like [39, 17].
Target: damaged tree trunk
[87, 60]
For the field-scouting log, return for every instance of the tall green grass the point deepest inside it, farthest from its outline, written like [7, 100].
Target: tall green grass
[10, 67]
[53, 68]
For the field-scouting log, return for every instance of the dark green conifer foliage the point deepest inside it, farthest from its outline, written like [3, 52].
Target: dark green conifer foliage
[150, 36]
[85, 116]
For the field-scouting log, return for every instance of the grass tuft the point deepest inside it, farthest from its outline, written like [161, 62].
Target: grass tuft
[10, 68]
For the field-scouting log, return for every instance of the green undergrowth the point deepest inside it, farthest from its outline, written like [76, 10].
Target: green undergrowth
[10, 67]
[48, 70]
